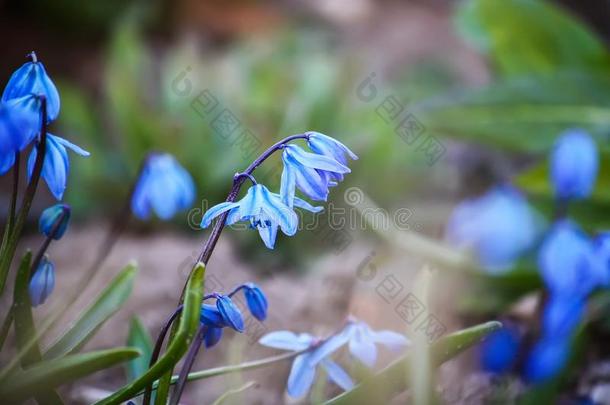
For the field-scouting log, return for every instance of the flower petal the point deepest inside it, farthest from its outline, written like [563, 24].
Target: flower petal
[216, 211]
[337, 374]
[286, 340]
[392, 340]
[301, 376]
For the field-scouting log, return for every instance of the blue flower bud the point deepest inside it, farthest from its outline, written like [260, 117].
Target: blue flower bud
[500, 349]
[32, 78]
[211, 316]
[256, 300]
[230, 313]
[547, 359]
[574, 165]
[42, 282]
[601, 247]
[49, 219]
[562, 314]
[212, 336]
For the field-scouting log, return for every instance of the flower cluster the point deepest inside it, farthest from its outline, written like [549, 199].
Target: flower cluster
[571, 265]
[360, 339]
[311, 173]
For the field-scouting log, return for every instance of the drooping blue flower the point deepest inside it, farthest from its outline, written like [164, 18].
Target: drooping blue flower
[32, 78]
[499, 350]
[312, 173]
[547, 359]
[562, 314]
[54, 221]
[230, 313]
[601, 256]
[498, 227]
[212, 336]
[163, 186]
[42, 282]
[56, 165]
[256, 301]
[327, 146]
[303, 371]
[565, 260]
[216, 317]
[264, 211]
[19, 124]
[574, 165]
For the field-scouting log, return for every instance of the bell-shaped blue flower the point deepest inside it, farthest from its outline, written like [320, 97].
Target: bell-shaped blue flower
[212, 336]
[264, 211]
[19, 124]
[212, 318]
[256, 301]
[54, 221]
[42, 282]
[32, 78]
[327, 146]
[562, 314]
[303, 371]
[565, 260]
[312, 173]
[547, 358]
[498, 227]
[500, 349]
[574, 165]
[163, 186]
[601, 257]
[56, 165]
[230, 313]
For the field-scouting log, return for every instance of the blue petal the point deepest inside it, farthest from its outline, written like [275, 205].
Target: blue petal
[50, 216]
[140, 205]
[331, 345]
[257, 302]
[574, 165]
[299, 203]
[268, 234]
[24, 120]
[325, 145]
[286, 340]
[285, 217]
[230, 313]
[212, 336]
[301, 376]
[288, 182]
[562, 314]
[601, 269]
[337, 374]
[308, 180]
[75, 148]
[216, 211]
[392, 340]
[42, 282]
[315, 161]
[500, 349]
[211, 316]
[362, 348]
[546, 360]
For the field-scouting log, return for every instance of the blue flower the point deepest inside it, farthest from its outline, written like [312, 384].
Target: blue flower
[19, 125]
[49, 218]
[500, 349]
[32, 78]
[601, 248]
[327, 146]
[498, 227]
[574, 165]
[42, 282]
[566, 261]
[230, 314]
[562, 314]
[362, 341]
[256, 301]
[547, 359]
[312, 173]
[303, 369]
[216, 317]
[163, 186]
[56, 164]
[263, 209]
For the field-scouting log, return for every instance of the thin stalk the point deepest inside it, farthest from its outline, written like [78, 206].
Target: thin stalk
[188, 364]
[10, 220]
[28, 198]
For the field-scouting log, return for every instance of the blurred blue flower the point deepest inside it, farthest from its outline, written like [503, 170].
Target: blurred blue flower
[566, 260]
[574, 165]
[49, 218]
[547, 359]
[312, 173]
[32, 78]
[42, 282]
[562, 314]
[601, 253]
[332, 148]
[263, 209]
[163, 186]
[56, 164]
[303, 369]
[499, 350]
[256, 301]
[498, 227]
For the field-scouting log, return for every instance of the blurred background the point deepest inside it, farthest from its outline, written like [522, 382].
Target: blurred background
[440, 99]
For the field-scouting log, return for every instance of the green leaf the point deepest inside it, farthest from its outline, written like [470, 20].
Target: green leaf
[48, 374]
[140, 338]
[187, 327]
[530, 36]
[393, 379]
[106, 304]
[25, 328]
[232, 392]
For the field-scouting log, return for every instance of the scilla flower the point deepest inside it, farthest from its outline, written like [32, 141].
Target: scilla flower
[498, 227]
[54, 221]
[312, 173]
[574, 165]
[500, 349]
[216, 317]
[547, 359]
[303, 371]
[256, 301]
[327, 146]
[164, 186]
[19, 124]
[42, 282]
[264, 211]
[56, 164]
[32, 78]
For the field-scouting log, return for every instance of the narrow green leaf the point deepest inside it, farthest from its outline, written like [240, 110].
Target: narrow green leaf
[25, 328]
[52, 373]
[140, 338]
[393, 379]
[187, 327]
[233, 392]
[106, 304]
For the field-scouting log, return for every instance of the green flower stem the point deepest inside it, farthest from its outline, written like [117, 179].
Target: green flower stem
[28, 198]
